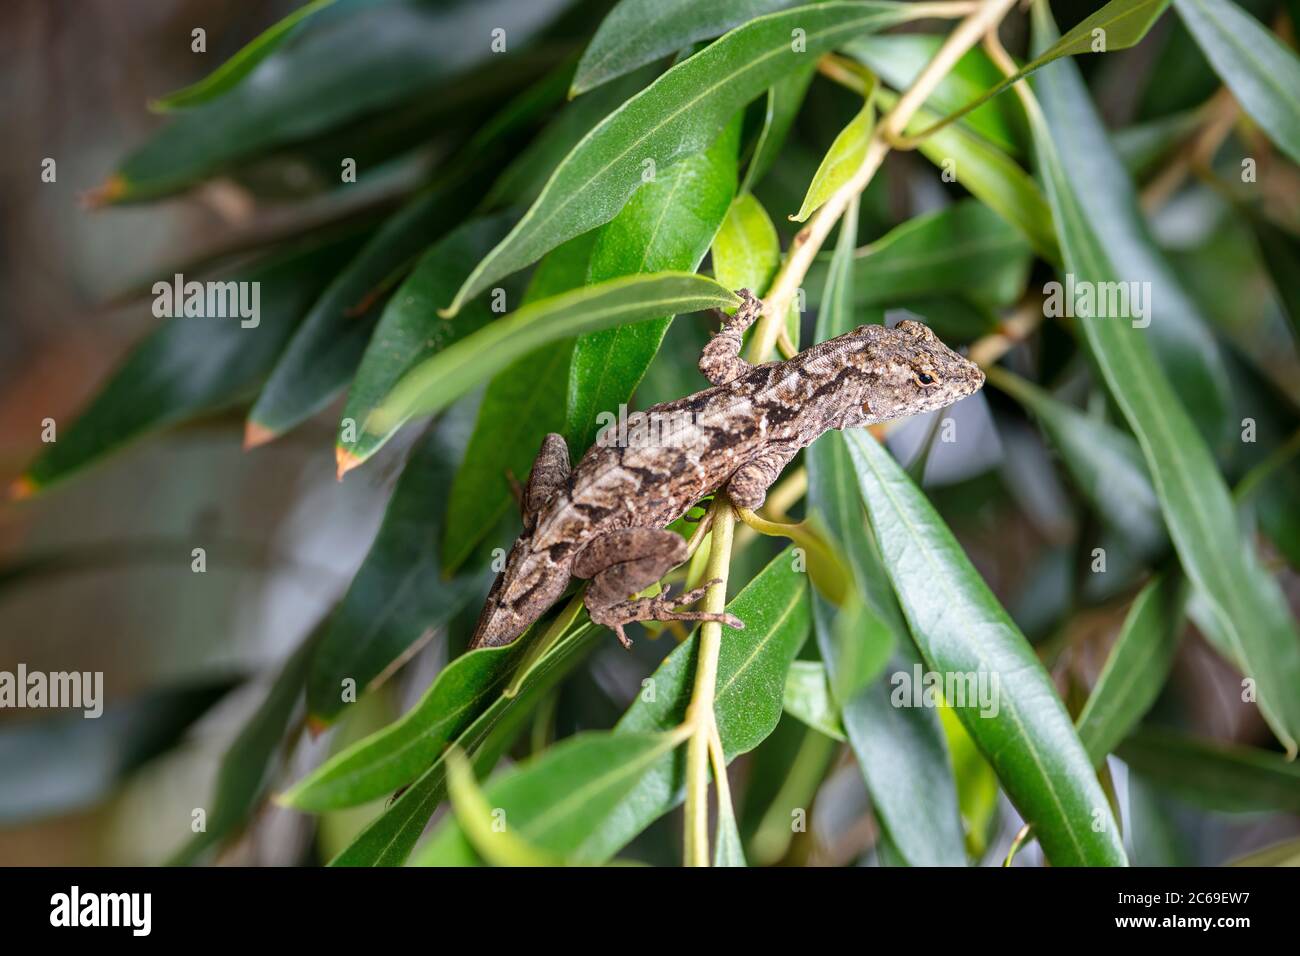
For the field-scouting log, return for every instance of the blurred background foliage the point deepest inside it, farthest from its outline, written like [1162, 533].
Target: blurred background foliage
[218, 683]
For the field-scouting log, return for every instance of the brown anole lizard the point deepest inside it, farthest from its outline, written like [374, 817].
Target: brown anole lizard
[604, 520]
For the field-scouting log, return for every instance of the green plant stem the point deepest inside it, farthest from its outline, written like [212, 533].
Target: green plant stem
[776, 306]
[700, 718]
[808, 242]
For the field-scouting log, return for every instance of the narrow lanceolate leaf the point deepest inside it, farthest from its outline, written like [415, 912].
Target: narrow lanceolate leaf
[400, 594]
[728, 849]
[321, 81]
[521, 404]
[1198, 510]
[677, 115]
[522, 181]
[840, 162]
[964, 632]
[440, 380]
[899, 58]
[808, 698]
[1137, 666]
[1179, 330]
[1118, 25]
[1255, 65]
[550, 801]
[784, 97]
[1106, 463]
[192, 365]
[322, 356]
[746, 250]
[637, 32]
[389, 839]
[900, 750]
[396, 755]
[668, 224]
[1212, 775]
[243, 775]
[991, 176]
[500, 846]
[965, 249]
[409, 329]
[751, 677]
[241, 64]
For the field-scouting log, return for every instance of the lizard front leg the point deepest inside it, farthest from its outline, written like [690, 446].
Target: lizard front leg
[622, 563]
[720, 361]
[748, 485]
[550, 473]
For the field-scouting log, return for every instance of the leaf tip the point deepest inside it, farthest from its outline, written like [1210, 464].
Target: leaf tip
[22, 488]
[345, 460]
[256, 434]
[109, 191]
[316, 725]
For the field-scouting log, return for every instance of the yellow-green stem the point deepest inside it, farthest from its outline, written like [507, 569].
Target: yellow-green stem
[699, 715]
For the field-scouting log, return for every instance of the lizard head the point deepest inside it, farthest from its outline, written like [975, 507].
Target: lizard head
[902, 371]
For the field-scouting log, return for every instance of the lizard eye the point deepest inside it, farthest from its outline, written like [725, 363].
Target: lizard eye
[924, 378]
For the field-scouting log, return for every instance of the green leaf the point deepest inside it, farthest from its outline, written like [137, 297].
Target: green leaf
[409, 329]
[400, 594]
[440, 380]
[323, 354]
[807, 698]
[241, 64]
[522, 181]
[964, 249]
[396, 755]
[728, 849]
[1106, 463]
[242, 777]
[679, 114]
[668, 224]
[751, 675]
[1256, 66]
[902, 756]
[992, 177]
[961, 629]
[1118, 25]
[520, 406]
[321, 82]
[1198, 509]
[746, 250]
[784, 98]
[191, 366]
[476, 815]
[388, 840]
[1216, 776]
[900, 751]
[1179, 330]
[841, 161]
[1136, 668]
[637, 32]
[551, 800]
[899, 58]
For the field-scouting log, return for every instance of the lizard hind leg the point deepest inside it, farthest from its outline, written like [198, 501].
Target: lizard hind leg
[622, 563]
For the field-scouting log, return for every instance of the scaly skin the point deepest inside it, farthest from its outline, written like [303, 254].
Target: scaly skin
[603, 520]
